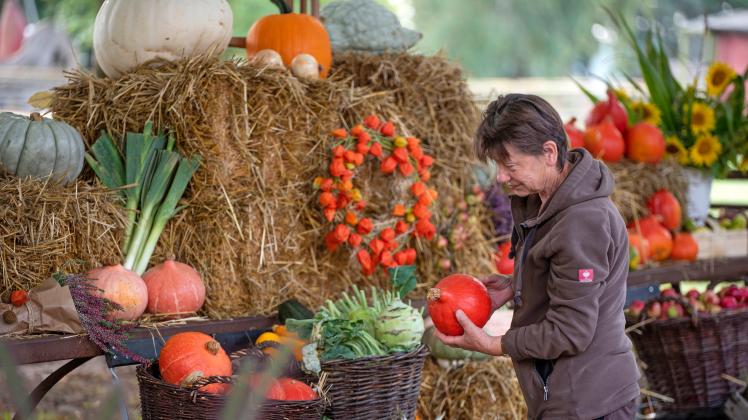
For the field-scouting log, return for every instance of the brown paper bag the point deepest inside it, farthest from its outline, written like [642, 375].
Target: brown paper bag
[50, 309]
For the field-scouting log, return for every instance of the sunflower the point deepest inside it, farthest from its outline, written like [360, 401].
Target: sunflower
[702, 118]
[705, 151]
[718, 77]
[647, 111]
[675, 149]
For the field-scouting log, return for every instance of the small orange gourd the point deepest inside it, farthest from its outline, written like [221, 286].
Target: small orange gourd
[291, 34]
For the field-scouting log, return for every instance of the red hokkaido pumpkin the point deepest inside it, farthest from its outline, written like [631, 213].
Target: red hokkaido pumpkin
[458, 291]
[275, 390]
[297, 390]
[685, 247]
[604, 141]
[575, 135]
[610, 110]
[504, 264]
[645, 143]
[664, 204]
[188, 356]
[121, 286]
[174, 288]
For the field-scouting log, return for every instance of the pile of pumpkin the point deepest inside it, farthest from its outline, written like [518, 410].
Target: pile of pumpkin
[187, 357]
[609, 136]
[658, 236]
[298, 41]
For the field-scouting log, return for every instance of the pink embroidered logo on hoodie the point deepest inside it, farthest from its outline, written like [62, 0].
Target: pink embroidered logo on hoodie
[586, 275]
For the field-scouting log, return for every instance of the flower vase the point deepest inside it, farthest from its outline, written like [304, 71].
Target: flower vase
[698, 195]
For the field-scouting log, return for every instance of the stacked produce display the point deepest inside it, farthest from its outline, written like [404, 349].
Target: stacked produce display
[332, 169]
[185, 192]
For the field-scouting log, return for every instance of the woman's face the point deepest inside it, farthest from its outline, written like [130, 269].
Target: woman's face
[525, 174]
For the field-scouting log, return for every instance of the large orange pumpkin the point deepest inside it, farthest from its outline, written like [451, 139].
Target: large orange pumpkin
[291, 34]
[685, 247]
[645, 143]
[297, 390]
[660, 239]
[189, 356]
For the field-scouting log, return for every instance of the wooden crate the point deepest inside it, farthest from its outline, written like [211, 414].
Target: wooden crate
[718, 243]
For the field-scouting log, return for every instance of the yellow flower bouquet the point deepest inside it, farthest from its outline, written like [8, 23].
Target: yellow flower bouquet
[705, 128]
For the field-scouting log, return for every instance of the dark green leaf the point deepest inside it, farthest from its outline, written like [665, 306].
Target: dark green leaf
[403, 279]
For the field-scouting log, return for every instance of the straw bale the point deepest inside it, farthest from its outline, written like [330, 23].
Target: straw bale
[252, 227]
[46, 227]
[636, 182]
[474, 391]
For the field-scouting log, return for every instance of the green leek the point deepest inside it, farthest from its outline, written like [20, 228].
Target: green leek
[151, 181]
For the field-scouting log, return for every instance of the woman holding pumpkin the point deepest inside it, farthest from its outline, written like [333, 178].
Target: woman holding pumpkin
[567, 340]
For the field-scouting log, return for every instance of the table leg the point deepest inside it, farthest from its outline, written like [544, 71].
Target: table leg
[44, 386]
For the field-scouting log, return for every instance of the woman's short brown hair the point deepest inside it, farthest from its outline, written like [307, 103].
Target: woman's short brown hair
[524, 121]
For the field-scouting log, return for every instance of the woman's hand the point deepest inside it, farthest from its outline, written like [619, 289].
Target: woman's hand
[499, 289]
[474, 338]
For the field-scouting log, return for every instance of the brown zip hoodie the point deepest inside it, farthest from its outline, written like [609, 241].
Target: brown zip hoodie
[567, 341]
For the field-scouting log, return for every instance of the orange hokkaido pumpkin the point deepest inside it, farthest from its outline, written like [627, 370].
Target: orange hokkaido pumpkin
[297, 390]
[660, 242]
[174, 288]
[645, 143]
[291, 34]
[123, 287]
[188, 356]
[685, 247]
[641, 244]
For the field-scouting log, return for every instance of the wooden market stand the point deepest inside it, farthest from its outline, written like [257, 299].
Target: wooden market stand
[238, 333]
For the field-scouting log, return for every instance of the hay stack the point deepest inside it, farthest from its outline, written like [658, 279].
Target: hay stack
[253, 228]
[476, 390]
[45, 227]
[636, 182]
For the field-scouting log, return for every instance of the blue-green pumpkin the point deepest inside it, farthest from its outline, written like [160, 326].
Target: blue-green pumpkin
[40, 147]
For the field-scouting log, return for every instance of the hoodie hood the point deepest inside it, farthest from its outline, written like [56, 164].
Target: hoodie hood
[587, 180]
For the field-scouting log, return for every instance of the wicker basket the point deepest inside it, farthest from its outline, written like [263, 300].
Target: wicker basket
[381, 387]
[685, 357]
[160, 400]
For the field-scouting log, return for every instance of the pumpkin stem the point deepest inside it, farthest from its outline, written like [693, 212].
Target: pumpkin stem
[36, 117]
[212, 346]
[433, 294]
[282, 6]
[171, 257]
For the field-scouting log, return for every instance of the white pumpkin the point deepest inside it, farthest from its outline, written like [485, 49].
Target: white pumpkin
[269, 58]
[305, 66]
[130, 32]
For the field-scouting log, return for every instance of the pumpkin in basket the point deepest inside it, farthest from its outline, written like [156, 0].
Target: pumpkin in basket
[189, 356]
[296, 390]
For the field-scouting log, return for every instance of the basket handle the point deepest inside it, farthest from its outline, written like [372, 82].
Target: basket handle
[207, 380]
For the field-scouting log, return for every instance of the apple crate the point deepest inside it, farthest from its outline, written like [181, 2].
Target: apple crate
[721, 243]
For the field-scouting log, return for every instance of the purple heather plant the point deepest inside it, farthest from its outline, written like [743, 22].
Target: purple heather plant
[93, 308]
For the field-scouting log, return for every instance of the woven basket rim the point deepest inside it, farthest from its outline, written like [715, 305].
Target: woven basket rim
[725, 313]
[145, 370]
[385, 358]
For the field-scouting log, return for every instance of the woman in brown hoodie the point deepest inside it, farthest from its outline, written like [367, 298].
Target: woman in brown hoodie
[567, 341]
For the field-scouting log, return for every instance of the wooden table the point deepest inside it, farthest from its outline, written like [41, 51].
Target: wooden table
[238, 333]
